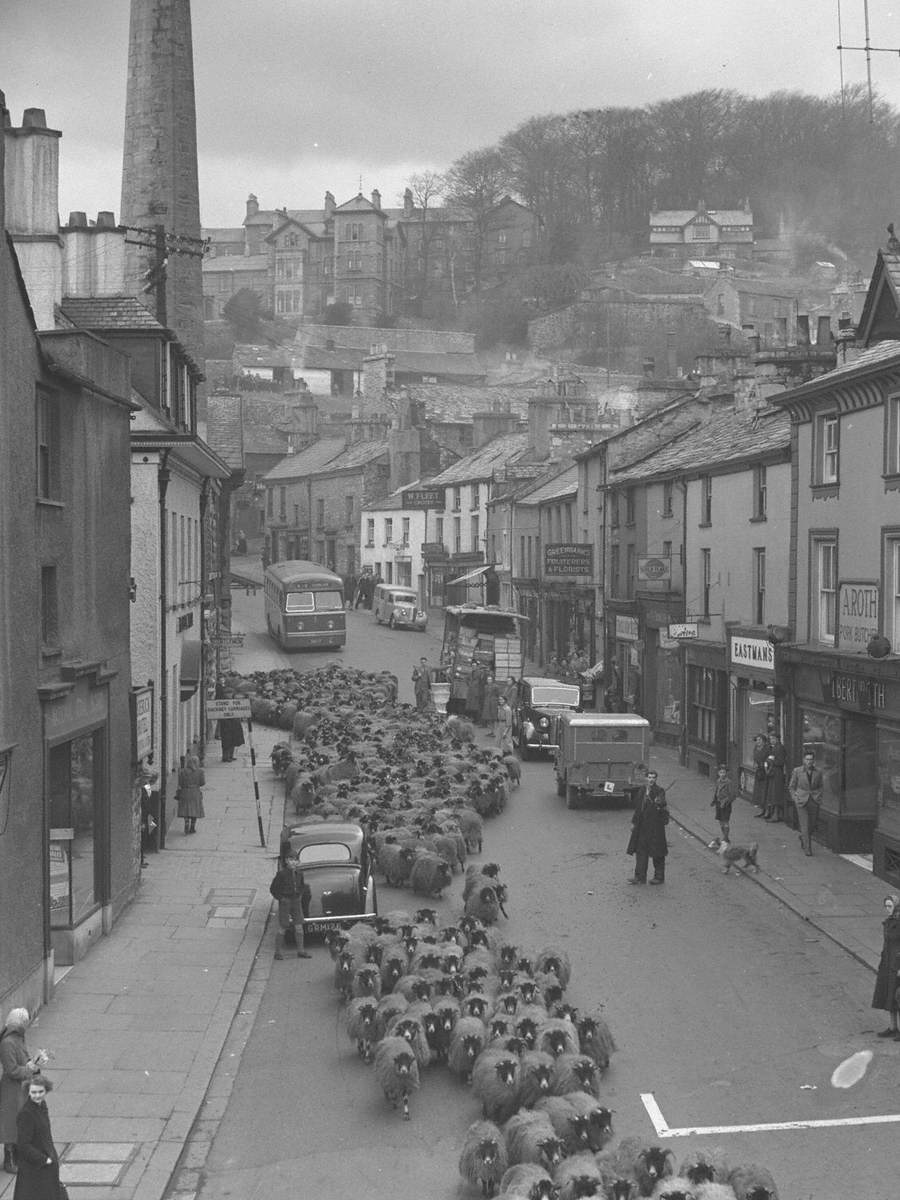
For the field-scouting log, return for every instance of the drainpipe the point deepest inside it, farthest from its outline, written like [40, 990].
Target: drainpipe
[682, 749]
[163, 476]
[204, 498]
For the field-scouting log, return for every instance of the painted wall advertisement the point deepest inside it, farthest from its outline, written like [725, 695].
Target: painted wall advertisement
[857, 615]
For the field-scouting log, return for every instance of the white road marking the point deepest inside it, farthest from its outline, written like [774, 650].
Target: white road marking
[662, 1129]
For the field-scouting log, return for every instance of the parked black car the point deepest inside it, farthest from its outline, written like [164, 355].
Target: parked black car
[537, 706]
[334, 858]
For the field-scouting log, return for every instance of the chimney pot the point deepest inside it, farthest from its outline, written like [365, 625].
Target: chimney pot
[78, 220]
[823, 332]
[106, 220]
[34, 118]
[376, 198]
[803, 329]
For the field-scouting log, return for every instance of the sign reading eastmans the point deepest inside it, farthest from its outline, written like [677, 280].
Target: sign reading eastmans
[857, 615]
[753, 652]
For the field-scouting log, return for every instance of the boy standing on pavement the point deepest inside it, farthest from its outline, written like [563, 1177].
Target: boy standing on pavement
[292, 893]
[806, 784]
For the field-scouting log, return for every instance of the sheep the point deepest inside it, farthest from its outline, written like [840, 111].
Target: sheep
[361, 1020]
[557, 1037]
[471, 827]
[705, 1166]
[598, 1117]
[570, 1125]
[389, 1008]
[482, 1161]
[446, 1010]
[396, 1071]
[473, 878]
[485, 905]
[343, 974]
[366, 981]
[531, 1138]
[556, 962]
[513, 769]
[645, 1164]
[676, 1187]
[713, 1190]
[495, 1081]
[535, 1073]
[575, 1073]
[751, 1182]
[467, 1041]
[595, 1039]
[413, 987]
[412, 1030]
[430, 875]
[528, 1181]
[395, 863]
[452, 849]
[393, 966]
[578, 1176]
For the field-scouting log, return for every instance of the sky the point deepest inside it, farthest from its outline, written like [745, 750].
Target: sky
[296, 97]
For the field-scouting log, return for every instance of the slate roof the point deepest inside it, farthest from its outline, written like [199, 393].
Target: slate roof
[883, 355]
[225, 429]
[235, 262]
[456, 404]
[559, 488]
[727, 436]
[109, 312]
[309, 461]
[359, 203]
[719, 216]
[357, 455]
[481, 463]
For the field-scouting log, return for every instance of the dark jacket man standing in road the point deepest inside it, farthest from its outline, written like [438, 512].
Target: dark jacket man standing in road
[806, 785]
[648, 832]
[293, 895]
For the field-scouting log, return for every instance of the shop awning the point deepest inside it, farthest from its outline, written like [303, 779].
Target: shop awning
[469, 576]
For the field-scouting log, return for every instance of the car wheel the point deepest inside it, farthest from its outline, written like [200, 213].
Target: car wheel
[571, 796]
[560, 786]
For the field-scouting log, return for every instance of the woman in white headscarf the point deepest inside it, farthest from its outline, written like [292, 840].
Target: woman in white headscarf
[18, 1066]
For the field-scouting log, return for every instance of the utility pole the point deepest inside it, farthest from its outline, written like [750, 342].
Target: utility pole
[868, 49]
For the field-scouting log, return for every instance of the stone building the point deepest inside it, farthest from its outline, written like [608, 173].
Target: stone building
[702, 233]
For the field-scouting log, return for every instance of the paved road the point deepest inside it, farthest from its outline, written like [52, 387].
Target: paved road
[726, 1007]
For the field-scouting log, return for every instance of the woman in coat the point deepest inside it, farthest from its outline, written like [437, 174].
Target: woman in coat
[887, 981]
[38, 1174]
[18, 1066]
[776, 786]
[491, 700]
[190, 798]
[760, 754]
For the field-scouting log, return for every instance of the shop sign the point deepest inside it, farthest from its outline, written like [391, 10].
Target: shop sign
[857, 615]
[238, 706]
[852, 691]
[434, 550]
[626, 628]
[684, 631]
[569, 558]
[654, 568]
[753, 652]
[142, 723]
[424, 497]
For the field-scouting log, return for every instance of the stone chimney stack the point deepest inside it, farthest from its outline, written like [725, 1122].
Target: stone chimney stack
[823, 332]
[803, 330]
[159, 166]
[408, 205]
[488, 425]
[31, 178]
[376, 198]
[329, 204]
[377, 378]
[252, 206]
[93, 256]
[539, 408]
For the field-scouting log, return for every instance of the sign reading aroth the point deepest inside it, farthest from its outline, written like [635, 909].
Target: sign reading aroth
[857, 615]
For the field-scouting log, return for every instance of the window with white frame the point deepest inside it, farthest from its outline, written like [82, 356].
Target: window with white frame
[439, 530]
[706, 500]
[475, 531]
[892, 436]
[705, 579]
[476, 495]
[405, 528]
[892, 592]
[759, 585]
[370, 531]
[457, 499]
[388, 530]
[824, 590]
[760, 493]
[457, 535]
[826, 462]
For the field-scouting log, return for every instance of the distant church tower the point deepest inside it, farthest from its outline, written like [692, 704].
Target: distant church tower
[159, 167]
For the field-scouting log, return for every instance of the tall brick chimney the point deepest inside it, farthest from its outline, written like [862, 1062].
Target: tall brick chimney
[159, 165]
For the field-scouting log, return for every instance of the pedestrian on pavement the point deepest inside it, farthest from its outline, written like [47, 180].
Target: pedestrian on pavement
[189, 795]
[888, 979]
[149, 807]
[806, 786]
[475, 694]
[421, 679]
[293, 895]
[775, 781]
[231, 735]
[723, 798]
[760, 754]
[648, 832]
[18, 1066]
[503, 725]
[38, 1174]
[490, 705]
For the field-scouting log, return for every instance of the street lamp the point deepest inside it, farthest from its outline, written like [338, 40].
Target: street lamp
[6, 753]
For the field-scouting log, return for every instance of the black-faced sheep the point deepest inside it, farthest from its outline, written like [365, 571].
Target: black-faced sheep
[535, 1075]
[570, 1125]
[485, 905]
[556, 962]
[578, 1176]
[476, 1004]
[468, 1040]
[531, 1138]
[595, 1039]
[344, 970]
[705, 1166]
[389, 1008]
[557, 1037]
[395, 863]
[677, 1187]
[528, 1181]
[751, 1182]
[412, 1030]
[643, 1163]
[430, 875]
[471, 826]
[452, 849]
[396, 1071]
[482, 1162]
[575, 1073]
[366, 981]
[598, 1117]
[361, 1019]
[495, 1081]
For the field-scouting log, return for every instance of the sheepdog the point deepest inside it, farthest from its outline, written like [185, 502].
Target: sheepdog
[734, 856]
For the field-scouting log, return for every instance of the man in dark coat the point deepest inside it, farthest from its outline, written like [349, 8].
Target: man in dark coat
[293, 894]
[648, 832]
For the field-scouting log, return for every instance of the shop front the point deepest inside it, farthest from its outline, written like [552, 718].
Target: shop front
[845, 709]
[436, 562]
[706, 706]
[623, 690]
[754, 707]
[663, 670]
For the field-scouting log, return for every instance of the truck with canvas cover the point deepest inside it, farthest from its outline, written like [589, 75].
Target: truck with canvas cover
[601, 757]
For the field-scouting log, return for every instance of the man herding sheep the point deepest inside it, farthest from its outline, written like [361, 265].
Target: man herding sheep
[648, 832]
[292, 893]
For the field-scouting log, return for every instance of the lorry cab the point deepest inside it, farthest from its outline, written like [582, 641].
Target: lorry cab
[601, 757]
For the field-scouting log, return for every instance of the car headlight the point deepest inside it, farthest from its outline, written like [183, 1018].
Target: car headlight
[543, 723]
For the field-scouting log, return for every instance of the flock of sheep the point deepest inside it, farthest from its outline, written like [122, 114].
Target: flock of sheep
[419, 993]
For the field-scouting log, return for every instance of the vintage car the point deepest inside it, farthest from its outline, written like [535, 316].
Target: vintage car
[601, 757]
[398, 606]
[335, 861]
[536, 709]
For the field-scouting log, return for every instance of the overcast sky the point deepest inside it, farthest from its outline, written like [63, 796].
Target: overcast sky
[298, 96]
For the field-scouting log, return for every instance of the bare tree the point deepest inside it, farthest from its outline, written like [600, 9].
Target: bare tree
[424, 190]
[476, 183]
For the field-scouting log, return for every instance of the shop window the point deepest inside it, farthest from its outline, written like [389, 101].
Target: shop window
[669, 686]
[759, 586]
[889, 769]
[823, 590]
[703, 705]
[75, 783]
